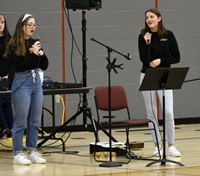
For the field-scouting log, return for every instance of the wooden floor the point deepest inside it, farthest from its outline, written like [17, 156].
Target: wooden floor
[77, 160]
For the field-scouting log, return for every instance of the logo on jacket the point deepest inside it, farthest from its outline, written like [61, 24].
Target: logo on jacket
[163, 39]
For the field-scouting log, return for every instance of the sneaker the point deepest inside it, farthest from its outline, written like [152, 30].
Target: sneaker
[21, 159]
[173, 151]
[36, 158]
[156, 151]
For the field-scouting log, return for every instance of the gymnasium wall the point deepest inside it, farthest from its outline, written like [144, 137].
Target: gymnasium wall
[117, 24]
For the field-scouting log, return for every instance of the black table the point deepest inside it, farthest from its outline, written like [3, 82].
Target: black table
[56, 91]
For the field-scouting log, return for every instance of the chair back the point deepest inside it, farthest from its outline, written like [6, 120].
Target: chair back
[118, 98]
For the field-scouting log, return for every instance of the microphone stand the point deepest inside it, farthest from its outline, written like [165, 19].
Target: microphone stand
[111, 66]
[128, 56]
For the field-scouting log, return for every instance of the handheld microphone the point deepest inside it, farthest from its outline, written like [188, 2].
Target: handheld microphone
[37, 38]
[148, 30]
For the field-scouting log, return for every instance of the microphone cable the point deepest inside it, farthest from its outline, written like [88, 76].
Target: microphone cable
[72, 48]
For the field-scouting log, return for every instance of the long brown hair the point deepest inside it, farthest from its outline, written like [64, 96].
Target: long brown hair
[162, 31]
[17, 41]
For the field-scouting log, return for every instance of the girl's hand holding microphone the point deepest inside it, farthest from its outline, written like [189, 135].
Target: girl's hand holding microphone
[36, 49]
[147, 38]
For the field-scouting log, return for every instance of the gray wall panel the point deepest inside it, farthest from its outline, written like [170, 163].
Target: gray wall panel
[117, 25]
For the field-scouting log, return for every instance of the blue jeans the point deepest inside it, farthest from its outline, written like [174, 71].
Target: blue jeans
[27, 100]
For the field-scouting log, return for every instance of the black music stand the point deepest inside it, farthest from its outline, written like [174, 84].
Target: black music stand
[162, 79]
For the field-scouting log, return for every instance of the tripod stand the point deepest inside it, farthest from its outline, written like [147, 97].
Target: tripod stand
[111, 66]
[84, 110]
[87, 111]
[84, 57]
[162, 79]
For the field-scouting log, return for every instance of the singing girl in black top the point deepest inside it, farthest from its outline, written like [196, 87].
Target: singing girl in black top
[158, 48]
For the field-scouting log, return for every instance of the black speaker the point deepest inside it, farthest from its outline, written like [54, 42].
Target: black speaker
[83, 4]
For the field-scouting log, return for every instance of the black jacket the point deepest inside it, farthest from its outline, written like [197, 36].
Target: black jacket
[164, 48]
[28, 62]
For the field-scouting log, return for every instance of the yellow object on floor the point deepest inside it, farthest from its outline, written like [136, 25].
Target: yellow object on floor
[6, 144]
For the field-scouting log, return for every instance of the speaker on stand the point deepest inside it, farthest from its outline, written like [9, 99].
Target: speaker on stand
[83, 4]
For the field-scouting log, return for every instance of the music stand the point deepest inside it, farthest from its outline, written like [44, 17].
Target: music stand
[163, 79]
